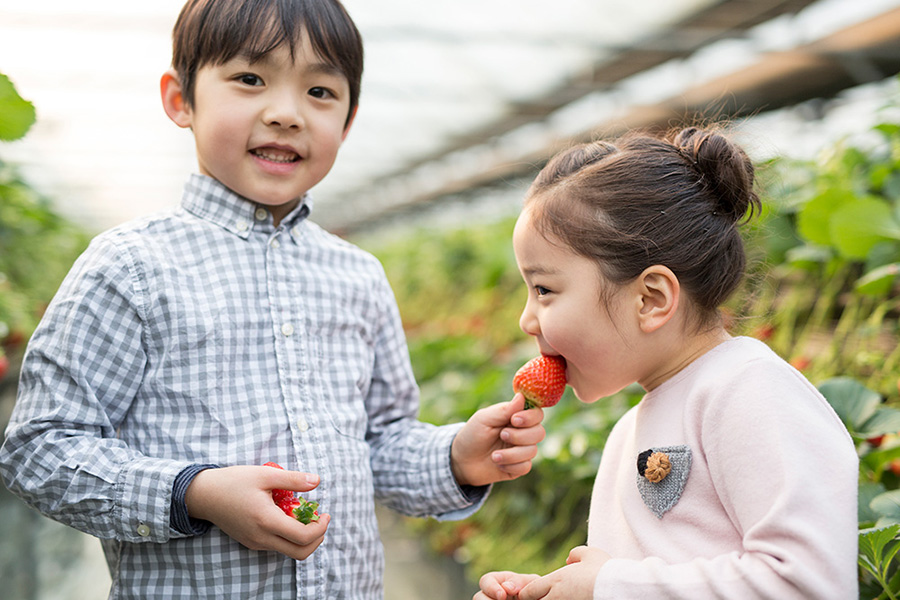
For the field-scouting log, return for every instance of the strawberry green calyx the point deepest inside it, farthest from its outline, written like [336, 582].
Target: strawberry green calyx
[306, 512]
[293, 506]
[542, 381]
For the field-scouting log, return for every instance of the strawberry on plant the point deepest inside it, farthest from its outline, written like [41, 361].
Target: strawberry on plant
[301, 509]
[4, 365]
[876, 441]
[542, 380]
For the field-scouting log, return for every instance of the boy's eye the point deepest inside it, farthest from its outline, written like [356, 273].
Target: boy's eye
[249, 79]
[541, 290]
[321, 93]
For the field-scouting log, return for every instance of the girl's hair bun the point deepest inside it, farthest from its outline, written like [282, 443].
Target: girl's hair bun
[723, 168]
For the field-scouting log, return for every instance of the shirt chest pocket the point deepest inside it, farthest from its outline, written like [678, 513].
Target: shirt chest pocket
[345, 364]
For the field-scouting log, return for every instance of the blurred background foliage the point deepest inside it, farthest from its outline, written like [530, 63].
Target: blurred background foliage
[37, 246]
[822, 291]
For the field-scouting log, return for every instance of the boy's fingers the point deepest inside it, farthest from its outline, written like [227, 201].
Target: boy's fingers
[524, 418]
[296, 481]
[514, 455]
[304, 537]
[529, 436]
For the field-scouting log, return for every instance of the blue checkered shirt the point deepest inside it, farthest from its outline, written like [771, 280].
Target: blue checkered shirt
[208, 335]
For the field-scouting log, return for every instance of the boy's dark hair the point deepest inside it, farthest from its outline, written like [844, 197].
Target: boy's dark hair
[645, 200]
[215, 31]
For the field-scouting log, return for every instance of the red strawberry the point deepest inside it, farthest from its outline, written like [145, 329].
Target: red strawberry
[541, 380]
[299, 508]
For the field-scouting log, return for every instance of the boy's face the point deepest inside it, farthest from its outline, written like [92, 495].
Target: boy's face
[270, 130]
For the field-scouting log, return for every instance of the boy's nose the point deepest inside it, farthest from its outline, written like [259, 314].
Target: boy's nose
[283, 110]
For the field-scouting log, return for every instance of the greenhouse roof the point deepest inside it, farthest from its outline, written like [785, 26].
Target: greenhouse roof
[455, 95]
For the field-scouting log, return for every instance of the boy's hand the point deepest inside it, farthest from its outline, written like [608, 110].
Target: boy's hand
[497, 443]
[502, 585]
[575, 581]
[239, 501]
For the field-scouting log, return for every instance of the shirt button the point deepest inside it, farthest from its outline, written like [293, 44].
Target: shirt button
[287, 329]
[242, 225]
[275, 243]
[143, 530]
[302, 425]
[261, 214]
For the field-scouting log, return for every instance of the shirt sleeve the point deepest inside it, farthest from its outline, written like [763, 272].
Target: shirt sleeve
[785, 470]
[81, 372]
[410, 459]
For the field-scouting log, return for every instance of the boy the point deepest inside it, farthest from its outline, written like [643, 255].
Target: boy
[185, 350]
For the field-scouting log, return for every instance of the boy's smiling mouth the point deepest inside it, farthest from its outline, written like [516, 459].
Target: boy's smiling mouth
[276, 155]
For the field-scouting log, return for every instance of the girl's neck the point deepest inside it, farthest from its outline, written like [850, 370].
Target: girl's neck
[680, 357]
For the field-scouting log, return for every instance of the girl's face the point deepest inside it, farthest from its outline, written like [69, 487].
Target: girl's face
[565, 315]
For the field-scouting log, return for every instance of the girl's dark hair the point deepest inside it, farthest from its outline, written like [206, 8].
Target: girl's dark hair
[215, 31]
[645, 200]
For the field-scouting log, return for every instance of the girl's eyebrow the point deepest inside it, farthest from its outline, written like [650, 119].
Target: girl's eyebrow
[538, 270]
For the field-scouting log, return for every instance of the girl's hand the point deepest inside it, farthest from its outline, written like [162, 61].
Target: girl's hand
[575, 581]
[497, 443]
[239, 501]
[502, 585]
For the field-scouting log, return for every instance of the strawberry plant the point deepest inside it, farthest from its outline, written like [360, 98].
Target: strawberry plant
[37, 246]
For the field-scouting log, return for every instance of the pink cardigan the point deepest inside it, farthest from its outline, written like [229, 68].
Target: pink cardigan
[761, 499]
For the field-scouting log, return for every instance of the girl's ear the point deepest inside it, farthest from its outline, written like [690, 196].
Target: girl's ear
[658, 295]
[173, 100]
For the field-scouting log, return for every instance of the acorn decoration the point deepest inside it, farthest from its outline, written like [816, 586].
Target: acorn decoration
[654, 466]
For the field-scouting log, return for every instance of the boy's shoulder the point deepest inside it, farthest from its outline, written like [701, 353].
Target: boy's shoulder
[316, 235]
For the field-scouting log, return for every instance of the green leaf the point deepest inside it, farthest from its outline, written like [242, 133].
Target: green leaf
[859, 225]
[16, 115]
[868, 490]
[814, 220]
[885, 420]
[872, 543]
[852, 401]
[878, 282]
[887, 507]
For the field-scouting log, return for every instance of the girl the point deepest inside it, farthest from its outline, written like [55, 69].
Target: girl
[732, 478]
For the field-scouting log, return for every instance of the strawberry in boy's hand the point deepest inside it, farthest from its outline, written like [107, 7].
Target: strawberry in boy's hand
[542, 380]
[293, 506]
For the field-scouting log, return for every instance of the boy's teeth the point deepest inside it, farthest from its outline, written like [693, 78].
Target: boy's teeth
[280, 156]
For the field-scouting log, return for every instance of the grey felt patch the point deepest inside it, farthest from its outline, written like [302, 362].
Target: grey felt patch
[662, 496]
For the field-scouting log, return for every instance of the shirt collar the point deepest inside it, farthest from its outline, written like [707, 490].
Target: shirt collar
[211, 201]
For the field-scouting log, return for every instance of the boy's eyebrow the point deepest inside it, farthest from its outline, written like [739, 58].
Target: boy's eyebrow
[324, 68]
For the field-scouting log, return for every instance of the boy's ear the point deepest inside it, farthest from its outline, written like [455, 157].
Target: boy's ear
[658, 297]
[349, 123]
[173, 100]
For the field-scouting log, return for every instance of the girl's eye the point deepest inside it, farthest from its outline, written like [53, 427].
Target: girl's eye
[250, 79]
[321, 93]
[541, 290]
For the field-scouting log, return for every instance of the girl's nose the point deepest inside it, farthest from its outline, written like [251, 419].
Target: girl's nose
[528, 322]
